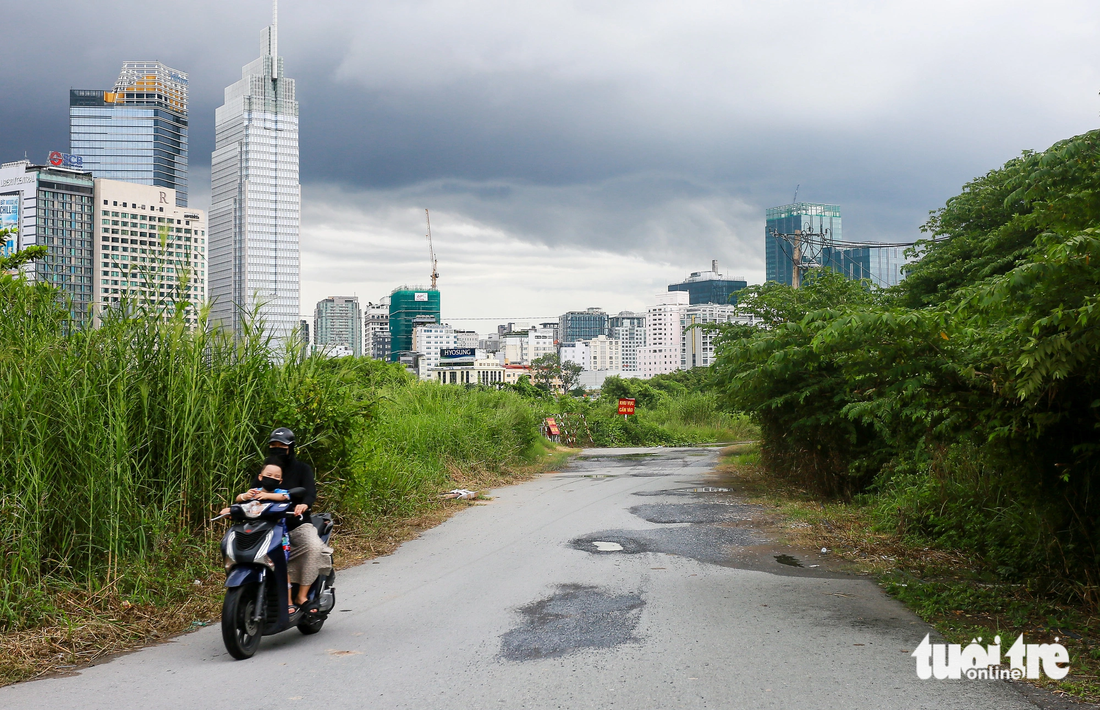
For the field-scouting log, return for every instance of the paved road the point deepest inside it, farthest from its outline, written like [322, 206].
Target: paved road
[613, 584]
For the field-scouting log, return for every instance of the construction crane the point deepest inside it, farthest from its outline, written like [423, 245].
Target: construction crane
[431, 248]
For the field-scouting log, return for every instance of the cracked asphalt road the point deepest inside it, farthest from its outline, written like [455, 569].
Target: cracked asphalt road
[512, 605]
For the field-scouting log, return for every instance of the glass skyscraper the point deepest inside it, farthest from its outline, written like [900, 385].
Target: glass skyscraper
[255, 197]
[136, 132]
[882, 265]
[582, 325]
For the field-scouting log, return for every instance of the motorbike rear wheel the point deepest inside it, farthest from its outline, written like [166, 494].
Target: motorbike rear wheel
[240, 632]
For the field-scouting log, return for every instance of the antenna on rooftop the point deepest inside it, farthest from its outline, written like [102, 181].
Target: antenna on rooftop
[794, 200]
[431, 249]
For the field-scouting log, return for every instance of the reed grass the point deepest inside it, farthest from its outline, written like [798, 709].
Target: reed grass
[118, 443]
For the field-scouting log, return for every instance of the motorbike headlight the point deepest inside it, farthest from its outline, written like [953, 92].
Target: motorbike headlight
[266, 561]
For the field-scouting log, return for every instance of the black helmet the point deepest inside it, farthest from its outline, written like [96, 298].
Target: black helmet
[283, 436]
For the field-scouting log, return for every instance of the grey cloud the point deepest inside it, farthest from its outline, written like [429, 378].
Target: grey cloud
[637, 127]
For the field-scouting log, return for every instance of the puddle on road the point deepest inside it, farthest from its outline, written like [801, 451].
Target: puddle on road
[604, 546]
[682, 491]
[576, 617]
[691, 512]
[604, 458]
[787, 560]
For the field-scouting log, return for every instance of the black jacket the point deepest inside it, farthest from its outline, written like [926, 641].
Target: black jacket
[296, 474]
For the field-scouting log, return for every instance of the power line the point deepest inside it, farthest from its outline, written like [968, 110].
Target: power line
[504, 318]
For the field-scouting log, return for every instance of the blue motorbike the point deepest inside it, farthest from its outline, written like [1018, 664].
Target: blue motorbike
[255, 550]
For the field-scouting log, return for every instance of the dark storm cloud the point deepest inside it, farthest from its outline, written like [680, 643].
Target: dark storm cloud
[644, 127]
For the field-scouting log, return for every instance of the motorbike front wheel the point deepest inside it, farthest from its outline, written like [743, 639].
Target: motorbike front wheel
[240, 632]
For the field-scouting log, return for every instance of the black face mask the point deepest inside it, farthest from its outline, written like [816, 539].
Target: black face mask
[269, 484]
[282, 455]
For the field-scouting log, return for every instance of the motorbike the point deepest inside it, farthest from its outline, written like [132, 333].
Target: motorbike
[255, 551]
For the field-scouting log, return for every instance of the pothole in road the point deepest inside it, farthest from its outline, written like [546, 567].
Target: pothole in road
[576, 617]
[699, 542]
[787, 560]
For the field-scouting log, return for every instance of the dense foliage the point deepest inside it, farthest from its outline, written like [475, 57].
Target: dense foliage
[967, 398]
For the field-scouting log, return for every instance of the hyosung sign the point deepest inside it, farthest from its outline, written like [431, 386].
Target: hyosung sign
[456, 356]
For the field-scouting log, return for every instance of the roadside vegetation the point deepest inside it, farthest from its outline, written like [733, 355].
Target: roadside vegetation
[119, 443]
[677, 409]
[959, 411]
[952, 589]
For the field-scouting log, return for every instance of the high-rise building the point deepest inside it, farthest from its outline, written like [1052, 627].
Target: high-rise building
[664, 332]
[581, 325]
[526, 346]
[466, 339]
[697, 344]
[255, 197]
[629, 329]
[376, 330]
[429, 340]
[787, 219]
[406, 306]
[337, 324]
[148, 250]
[882, 266]
[137, 131]
[710, 286]
[303, 331]
[53, 207]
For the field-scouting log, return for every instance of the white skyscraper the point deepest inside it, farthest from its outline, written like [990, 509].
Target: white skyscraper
[255, 196]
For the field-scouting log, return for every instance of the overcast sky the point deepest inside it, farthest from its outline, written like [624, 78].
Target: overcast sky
[580, 154]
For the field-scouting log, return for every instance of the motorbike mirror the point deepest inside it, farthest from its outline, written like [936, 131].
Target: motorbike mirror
[296, 494]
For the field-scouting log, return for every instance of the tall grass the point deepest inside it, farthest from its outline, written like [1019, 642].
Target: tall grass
[423, 432]
[113, 439]
[117, 444]
[697, 417]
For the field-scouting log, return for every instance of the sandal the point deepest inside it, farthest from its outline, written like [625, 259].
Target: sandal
[293, 609]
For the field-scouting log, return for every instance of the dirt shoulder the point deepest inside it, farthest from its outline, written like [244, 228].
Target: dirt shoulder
[947, 588]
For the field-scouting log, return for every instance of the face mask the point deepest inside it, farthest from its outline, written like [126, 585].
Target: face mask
[280, 454]
[269, 484]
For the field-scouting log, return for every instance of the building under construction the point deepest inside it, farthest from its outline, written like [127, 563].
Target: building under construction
[410, 307]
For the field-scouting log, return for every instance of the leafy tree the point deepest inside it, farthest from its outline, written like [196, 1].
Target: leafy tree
[570, 375]
[546, 369]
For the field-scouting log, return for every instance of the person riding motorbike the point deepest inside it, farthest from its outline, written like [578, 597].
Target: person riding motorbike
[306, 548]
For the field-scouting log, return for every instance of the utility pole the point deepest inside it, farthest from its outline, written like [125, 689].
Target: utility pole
[807, 249]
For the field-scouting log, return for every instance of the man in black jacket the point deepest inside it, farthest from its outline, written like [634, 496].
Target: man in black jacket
[305, 545]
